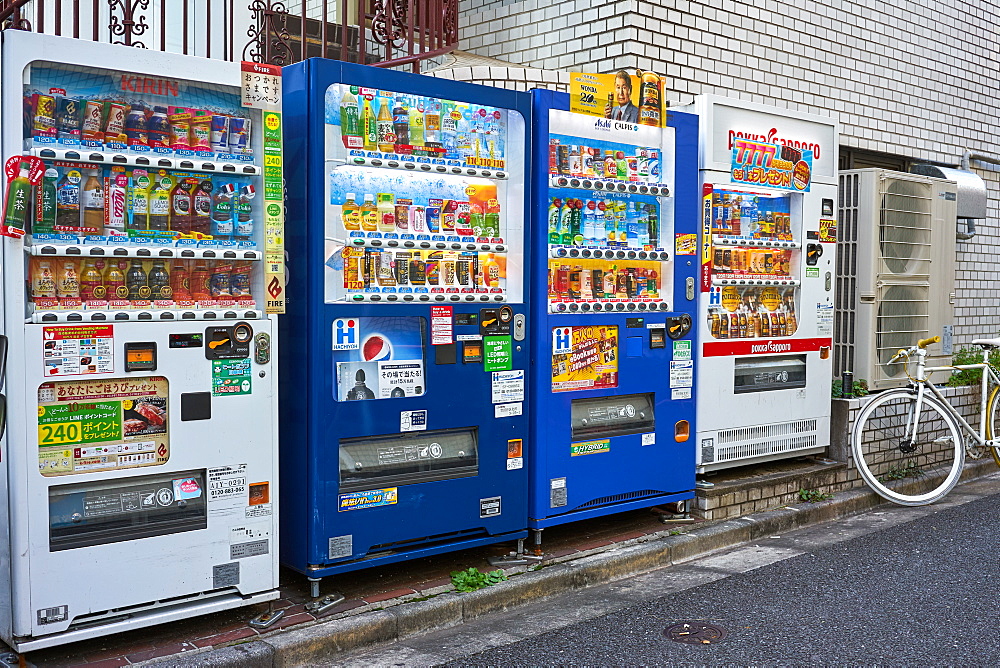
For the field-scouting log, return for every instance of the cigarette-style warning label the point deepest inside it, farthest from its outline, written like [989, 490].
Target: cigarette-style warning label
[78, 349]
[99, 425]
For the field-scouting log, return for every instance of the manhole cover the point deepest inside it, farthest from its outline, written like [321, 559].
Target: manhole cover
[695, 633]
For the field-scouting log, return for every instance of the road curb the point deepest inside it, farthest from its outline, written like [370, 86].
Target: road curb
[320, 642]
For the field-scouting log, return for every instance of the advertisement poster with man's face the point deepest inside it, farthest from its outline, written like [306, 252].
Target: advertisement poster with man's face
[629, 97]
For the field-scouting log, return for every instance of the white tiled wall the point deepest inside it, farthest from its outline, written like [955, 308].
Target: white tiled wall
[918, 78]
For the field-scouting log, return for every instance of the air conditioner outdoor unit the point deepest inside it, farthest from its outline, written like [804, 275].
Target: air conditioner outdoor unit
[895, 272]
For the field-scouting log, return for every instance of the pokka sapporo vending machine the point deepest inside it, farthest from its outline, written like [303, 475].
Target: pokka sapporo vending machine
[140, 459]
[404, 420]
[768, 241]
[613, 281]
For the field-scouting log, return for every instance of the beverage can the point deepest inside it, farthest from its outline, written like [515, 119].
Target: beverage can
[432, 215]
[158, 128]
[44, 122]
[93, 121]
[68, 118]
[200, 137]
[220, 133]
[239, 135]
[180, 127]
[114, 123]
[136, 127]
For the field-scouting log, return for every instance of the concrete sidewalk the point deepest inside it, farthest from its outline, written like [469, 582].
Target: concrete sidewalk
[319, 642]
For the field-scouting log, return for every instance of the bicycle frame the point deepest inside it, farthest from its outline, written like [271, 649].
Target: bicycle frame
[921, 380]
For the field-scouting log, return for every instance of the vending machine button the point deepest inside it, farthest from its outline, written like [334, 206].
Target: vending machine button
[184, 253]
[642, 306]
[619, 307]
[643, 190]
[653, 190]
[74, 317]
[573, 308]
[392, 298]
[456, 170]
[622, 187]
[166, 315]
[408, 244]
[455, 298]
[631, 255]
[574, 252]
[392, 243]
[664, 306]
[376, 242]
[425, 298]
[189, 315]
[633, 188]
[500, 248]
[440, 245]
[209, 315]
[574, 183]
[487, 173]
[439, 298]
[409, 165]
[498, 298]
[631, 306]
[425, 244]
[585, 307]
[470, 298]
[441, 168]
[501, 175]
[121, 316]
[425, 167]
[620, 255]
[98, 317]
[598, 307]
[407, 298]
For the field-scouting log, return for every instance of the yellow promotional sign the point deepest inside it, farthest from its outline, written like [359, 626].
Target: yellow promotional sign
[584, 358]
[632, 97]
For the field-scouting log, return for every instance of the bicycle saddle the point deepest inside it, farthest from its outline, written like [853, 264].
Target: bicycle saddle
[986, 343]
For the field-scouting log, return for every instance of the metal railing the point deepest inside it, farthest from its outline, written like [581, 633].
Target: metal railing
[384, 33]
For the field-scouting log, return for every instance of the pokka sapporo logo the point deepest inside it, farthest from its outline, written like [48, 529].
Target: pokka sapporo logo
[771, 137]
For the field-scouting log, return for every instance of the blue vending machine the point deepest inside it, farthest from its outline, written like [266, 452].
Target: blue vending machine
[403, 413]
[615, 264]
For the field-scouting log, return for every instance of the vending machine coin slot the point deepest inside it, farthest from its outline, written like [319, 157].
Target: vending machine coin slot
[678, 326]
[604, 417]
[813, 254]
[140, 356]
[520, 327]
[224, 343]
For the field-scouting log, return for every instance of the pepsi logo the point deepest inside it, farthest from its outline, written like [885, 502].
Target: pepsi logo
[376, 348]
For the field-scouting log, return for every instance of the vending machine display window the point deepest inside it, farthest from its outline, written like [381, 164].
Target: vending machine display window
[417, 199]
[408, 458]
[111, 511]
[752, 263]
[147, 196]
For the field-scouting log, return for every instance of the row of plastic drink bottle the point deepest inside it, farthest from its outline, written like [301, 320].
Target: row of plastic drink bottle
[115, 203]
[440, 216]
[70, 281]
[412, 124]
[614, 223]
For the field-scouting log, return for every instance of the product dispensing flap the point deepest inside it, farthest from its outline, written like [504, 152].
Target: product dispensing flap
[407, 458]
[602, 417]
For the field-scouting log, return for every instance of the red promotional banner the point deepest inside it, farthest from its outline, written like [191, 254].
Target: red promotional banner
[764, 346]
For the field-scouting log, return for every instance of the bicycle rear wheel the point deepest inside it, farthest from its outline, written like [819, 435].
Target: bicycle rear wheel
[908, 472]
[992, 415]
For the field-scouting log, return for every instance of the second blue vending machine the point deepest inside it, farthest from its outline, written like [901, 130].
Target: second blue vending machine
[614, 266]
[404, 409]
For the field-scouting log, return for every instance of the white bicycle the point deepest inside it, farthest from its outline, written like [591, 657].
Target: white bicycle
[909, 444]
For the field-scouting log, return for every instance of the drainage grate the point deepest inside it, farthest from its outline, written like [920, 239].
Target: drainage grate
[694, 633]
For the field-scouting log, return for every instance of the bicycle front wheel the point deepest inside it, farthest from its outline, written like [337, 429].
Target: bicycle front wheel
[911, 467]
[992, 428]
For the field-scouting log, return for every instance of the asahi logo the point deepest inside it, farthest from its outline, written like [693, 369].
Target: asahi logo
[771, 137]
[136, 84]
[770, 347]
[608, 125]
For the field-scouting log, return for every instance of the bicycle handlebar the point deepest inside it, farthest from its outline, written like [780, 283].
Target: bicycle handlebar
[923, 343]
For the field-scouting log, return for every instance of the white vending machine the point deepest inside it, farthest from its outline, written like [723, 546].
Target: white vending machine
[138, 472]
[768, 241]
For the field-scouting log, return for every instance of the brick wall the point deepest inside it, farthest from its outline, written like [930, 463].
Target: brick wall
[917, 79]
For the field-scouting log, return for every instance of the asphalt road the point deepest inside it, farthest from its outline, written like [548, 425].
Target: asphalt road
[894, 586]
